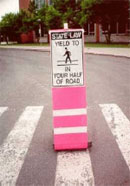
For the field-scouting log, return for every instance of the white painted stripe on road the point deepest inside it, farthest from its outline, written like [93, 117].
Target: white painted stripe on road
[69, 112]
[74, 168]
[2, 110]
[14, 148]
[70, 130]
[120, 127]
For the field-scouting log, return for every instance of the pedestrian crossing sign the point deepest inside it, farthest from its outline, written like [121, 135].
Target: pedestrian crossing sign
[67, 57]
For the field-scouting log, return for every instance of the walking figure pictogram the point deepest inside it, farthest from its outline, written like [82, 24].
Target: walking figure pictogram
[67, 54]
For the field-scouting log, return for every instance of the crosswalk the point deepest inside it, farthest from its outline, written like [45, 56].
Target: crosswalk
[2, 110]
[73, 168]
[120, 128]
[14, 148]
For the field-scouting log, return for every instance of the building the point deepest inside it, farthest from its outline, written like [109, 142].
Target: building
[40, 3]
[23, 4]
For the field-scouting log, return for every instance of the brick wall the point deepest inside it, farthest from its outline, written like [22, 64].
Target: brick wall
[23, 4]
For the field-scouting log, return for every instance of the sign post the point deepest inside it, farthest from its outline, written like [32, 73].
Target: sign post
[68, 89]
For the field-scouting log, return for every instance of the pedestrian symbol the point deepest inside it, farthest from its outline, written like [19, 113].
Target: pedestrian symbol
[67, 54]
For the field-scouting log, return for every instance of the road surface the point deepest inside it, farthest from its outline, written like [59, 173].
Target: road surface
[27, 157]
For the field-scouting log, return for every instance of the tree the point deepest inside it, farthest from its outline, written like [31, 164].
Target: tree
[108, 13]
[32, 8]
[53, 18]
[86, 13]
[68, 10]
[104, 12]
[49, 18]
[42, 17]
[13, 25]
[7, 26]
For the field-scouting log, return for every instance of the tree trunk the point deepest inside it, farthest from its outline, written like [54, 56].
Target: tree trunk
[48, 38]
[108, 35]
[108, 38]
[6, 38]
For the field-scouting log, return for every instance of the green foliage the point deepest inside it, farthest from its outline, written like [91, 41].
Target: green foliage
[12, 25]
[53, 18]
[32, 7]
[8, 26]
[68, 10]
[87, 11]
[63, 5]
[49, 18]
[42, 12]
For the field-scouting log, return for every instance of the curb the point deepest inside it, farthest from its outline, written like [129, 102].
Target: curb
[27, 49]
[105, 54]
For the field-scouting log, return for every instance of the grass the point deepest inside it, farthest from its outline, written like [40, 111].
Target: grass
[104, 45]
[98, 45]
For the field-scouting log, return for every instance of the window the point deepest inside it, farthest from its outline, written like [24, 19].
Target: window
[49, 2]
[39, 3]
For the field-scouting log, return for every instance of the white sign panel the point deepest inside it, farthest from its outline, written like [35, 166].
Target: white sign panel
[67, 58]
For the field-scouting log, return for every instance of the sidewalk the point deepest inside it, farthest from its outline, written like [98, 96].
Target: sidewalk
[119, 52]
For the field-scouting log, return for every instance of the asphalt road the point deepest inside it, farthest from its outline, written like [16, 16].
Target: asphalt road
[25, 80]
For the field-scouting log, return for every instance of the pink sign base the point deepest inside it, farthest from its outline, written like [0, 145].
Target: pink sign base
[69, 98]
[71, 141]
[70, 118]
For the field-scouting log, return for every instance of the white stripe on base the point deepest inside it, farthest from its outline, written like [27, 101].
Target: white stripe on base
[14, 148]
[74, 168]
[70, 130]
[2, 110]
[120, 127]
[69, 112]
